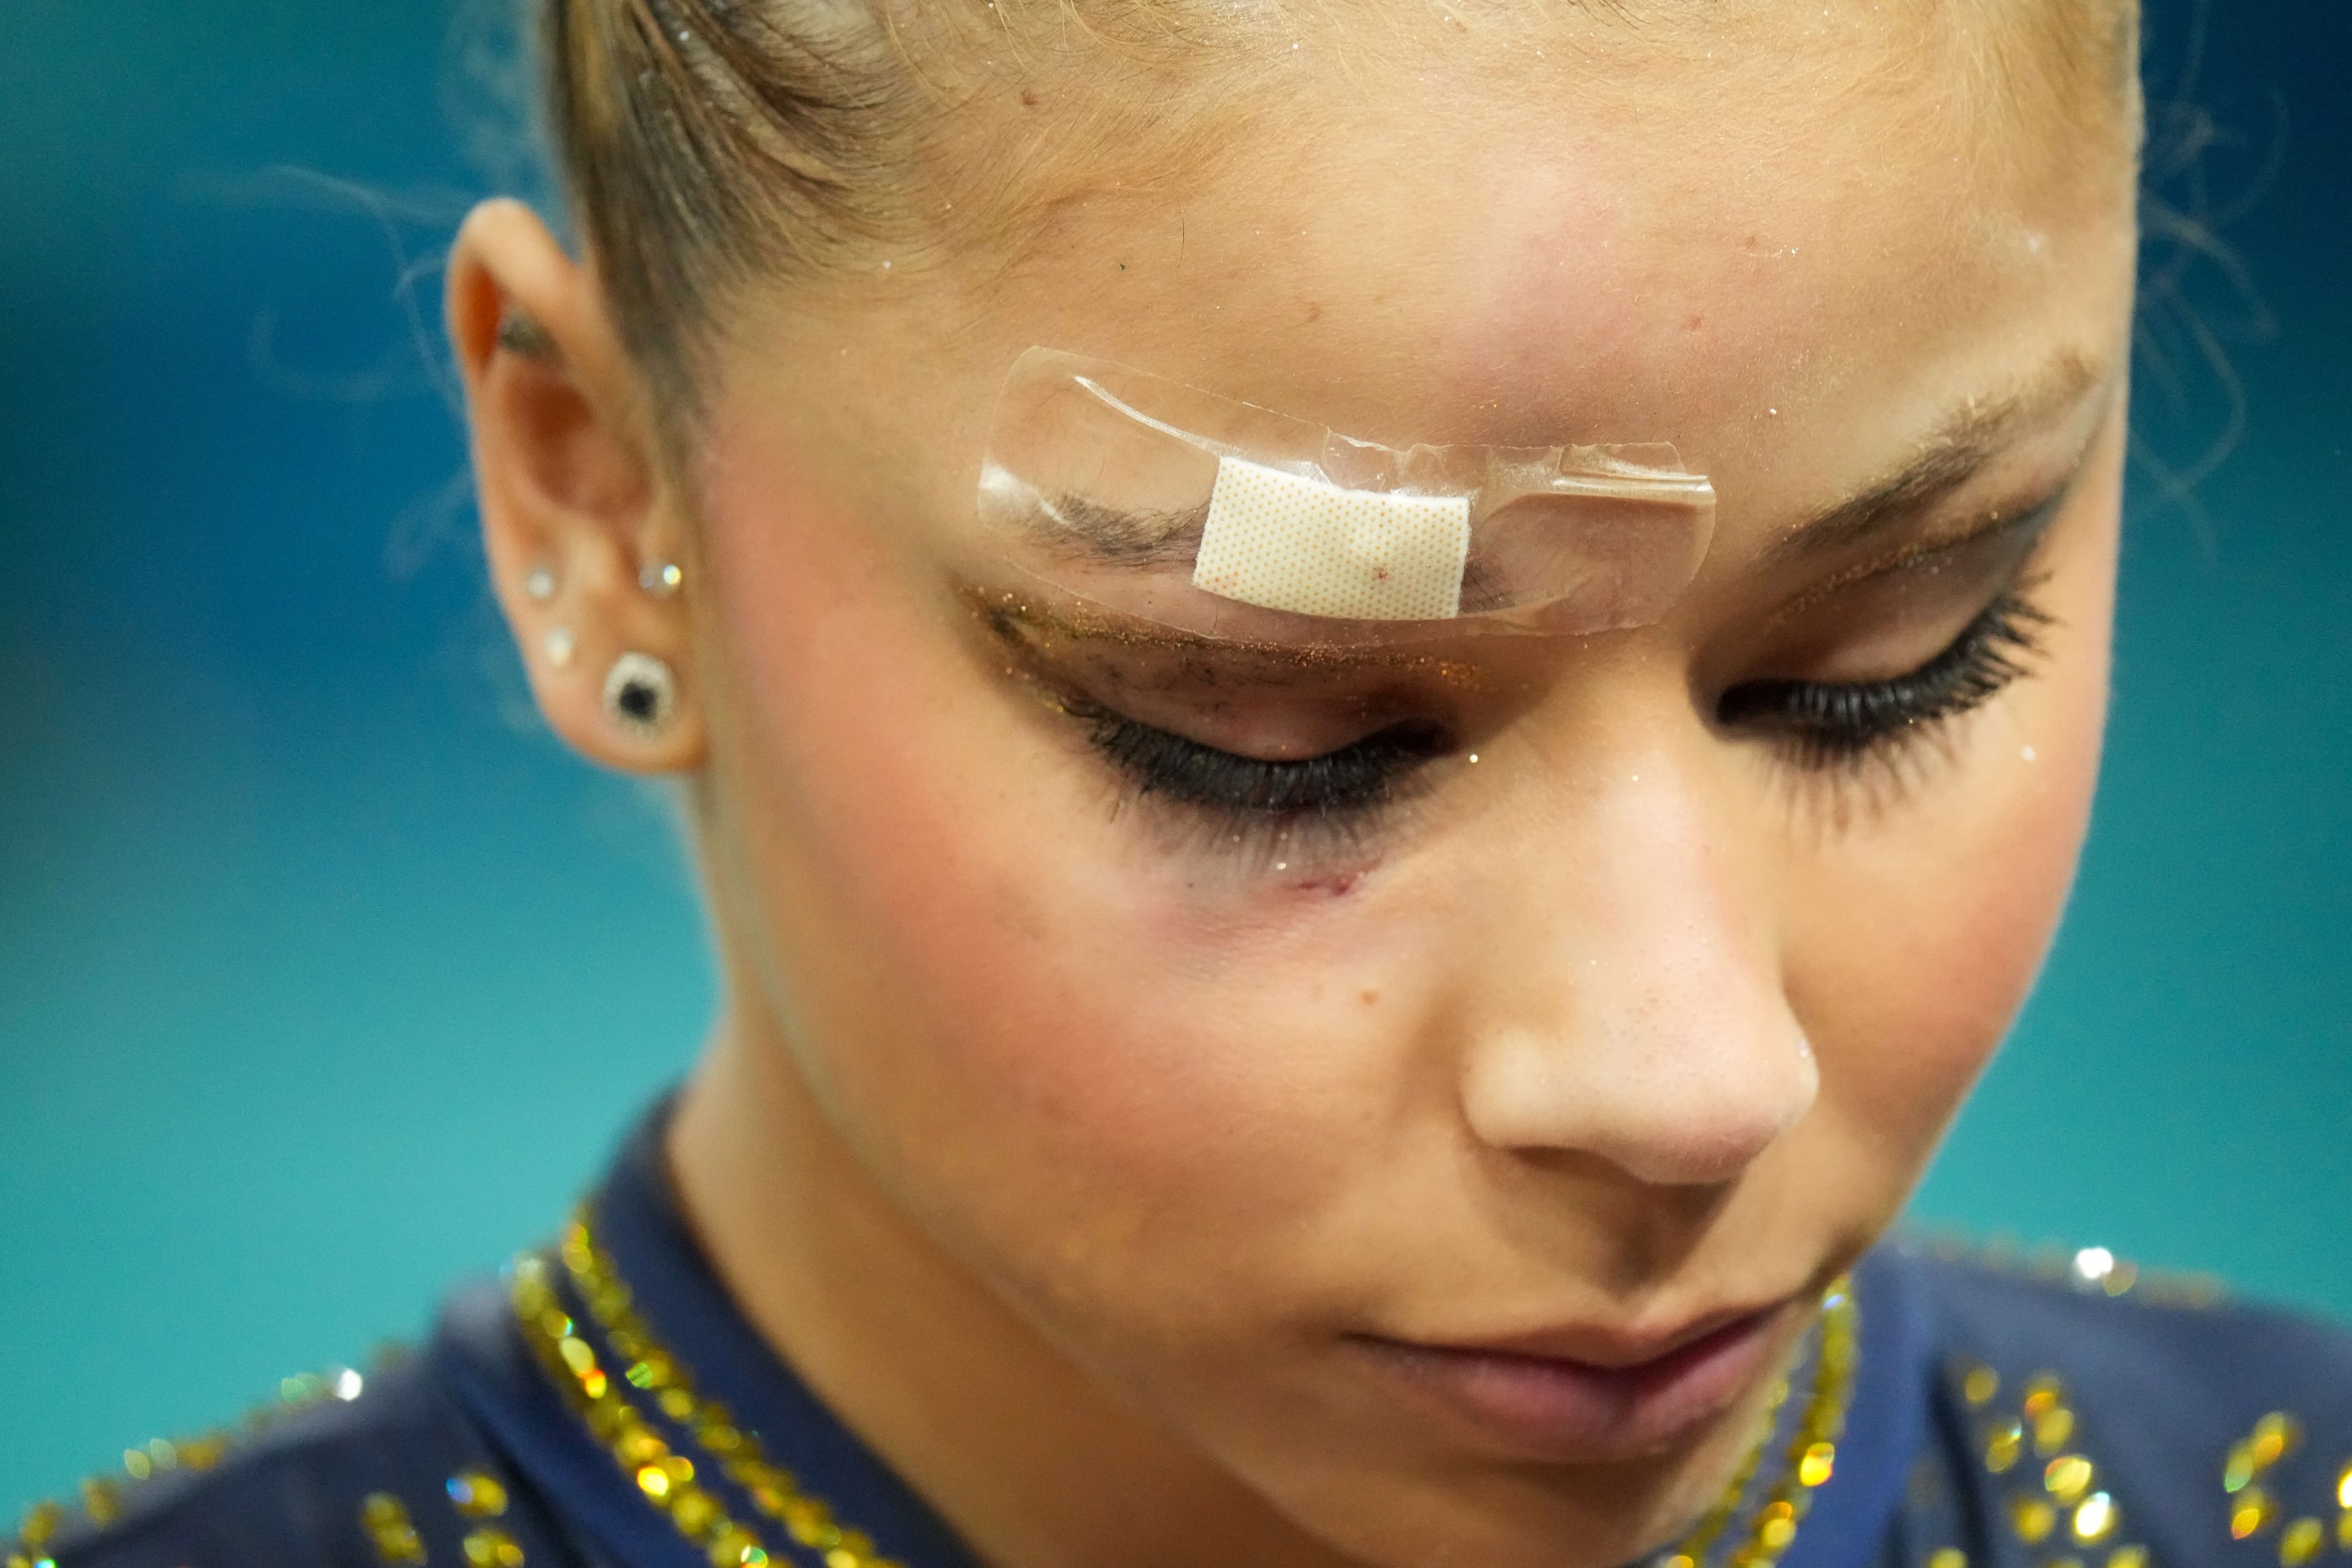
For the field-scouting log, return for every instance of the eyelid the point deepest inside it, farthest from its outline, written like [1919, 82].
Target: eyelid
[2024, 527]
[1015, 620]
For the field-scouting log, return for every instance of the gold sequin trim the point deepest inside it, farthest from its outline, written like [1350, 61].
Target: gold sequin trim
[2067, 1512]
[666, 1478]
[1809, 1460]
[656, 1371]
[2256, 1508]
[104, 1498]
[491, 1547]
[2303, 1540]
[384, 1519]
[33, 1537]
[478, 1494]
[2274, 1436]
[1710, 1528]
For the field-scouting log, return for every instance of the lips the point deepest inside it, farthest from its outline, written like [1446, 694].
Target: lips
[1614, 1399]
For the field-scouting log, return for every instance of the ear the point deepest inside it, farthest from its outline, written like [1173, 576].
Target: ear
[583, 530]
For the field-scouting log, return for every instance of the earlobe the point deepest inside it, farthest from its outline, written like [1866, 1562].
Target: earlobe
[580, 527]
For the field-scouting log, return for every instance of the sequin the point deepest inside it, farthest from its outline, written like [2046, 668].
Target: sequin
[2096, 1520]
[41, 1525]
[102, 1501]
[732, 1547]
[2274, 1437]
[386, 1519]
[695, 1511]
[478, 1494]
[2068, 1478]
[1818, 1465]
[2304, 1540]
[2255, 1512]
[490, 1547]
[2032, 1519]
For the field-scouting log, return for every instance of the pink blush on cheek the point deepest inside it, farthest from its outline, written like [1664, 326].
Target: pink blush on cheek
[1936, 934]
[956, 918]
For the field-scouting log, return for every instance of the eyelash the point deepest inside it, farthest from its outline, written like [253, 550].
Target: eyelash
[1353, 780]
[1831, 725]
[1821, 725]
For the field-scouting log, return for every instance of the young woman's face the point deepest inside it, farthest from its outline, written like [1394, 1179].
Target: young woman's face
[1455, 1162]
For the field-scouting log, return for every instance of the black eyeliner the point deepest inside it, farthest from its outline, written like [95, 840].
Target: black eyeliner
[1827, 723]
[1353, 779]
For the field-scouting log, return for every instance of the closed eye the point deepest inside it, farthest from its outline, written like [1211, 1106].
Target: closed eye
[1828, 723]
[1355, 778]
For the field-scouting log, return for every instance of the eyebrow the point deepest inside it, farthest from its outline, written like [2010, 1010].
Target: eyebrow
[1964, 443]
[1010, 614]
[1962, 446]
[1072, 525]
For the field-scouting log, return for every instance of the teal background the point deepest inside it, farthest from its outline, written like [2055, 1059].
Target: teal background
[326, 977]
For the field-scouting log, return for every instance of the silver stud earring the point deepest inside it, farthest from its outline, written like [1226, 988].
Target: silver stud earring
[561, 647]
[661, 578]
[641, 695]
[540, 584]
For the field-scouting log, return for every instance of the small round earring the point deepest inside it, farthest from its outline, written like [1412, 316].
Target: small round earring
[539, 583]
[641, 695]
[661, 578]
[561, 647]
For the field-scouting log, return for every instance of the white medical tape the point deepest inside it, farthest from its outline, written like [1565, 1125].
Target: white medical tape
[1285, 543]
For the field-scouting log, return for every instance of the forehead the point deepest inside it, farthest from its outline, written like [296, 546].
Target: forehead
[1771, 242]
[1499, 227]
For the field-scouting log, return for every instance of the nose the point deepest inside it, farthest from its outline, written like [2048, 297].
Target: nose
[1629, 1003]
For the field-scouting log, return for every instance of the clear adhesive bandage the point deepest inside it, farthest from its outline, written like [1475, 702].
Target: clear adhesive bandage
[1158, 500]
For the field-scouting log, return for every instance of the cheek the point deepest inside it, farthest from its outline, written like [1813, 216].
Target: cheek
[1913, 946]
[986, 981]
